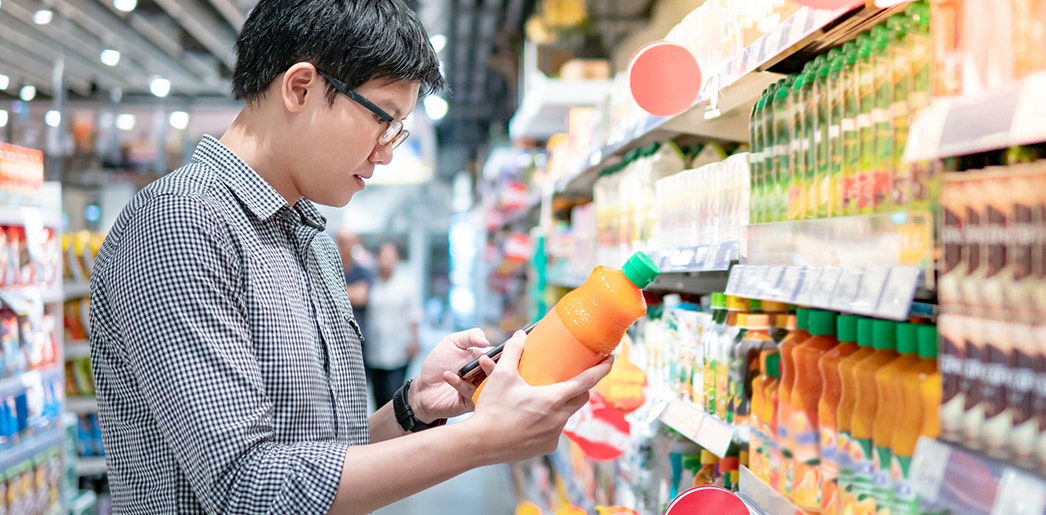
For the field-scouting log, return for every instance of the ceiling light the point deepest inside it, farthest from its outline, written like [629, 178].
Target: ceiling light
[53, 118]
[436, 107]
[27, 93]
[179, 120]
[125, 122]
[110, 57]
[439, 42]
[160, 87]
[3, 118]
[125, 5]
[5, 81]
[43, 16]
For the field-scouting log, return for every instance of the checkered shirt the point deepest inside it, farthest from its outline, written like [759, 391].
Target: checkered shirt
[226, 358]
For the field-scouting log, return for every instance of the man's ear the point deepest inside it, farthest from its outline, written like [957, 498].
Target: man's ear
[297, 83]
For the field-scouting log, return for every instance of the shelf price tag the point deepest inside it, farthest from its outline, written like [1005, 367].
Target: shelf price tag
[750, 282]
[714, 434]
[872, 284]
[846, 290]
[773, 280]
[1019, 494]
[735, 279]
[896, 299]
[928, 468]
[791, 277]
[811, 278]
[822, 297]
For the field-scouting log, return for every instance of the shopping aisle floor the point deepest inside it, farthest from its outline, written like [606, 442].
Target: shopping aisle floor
[483, 491]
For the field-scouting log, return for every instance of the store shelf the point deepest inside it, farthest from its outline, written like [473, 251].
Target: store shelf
[92, 466]
[81, 404]
[700, 258]
[77, 349]
[83, 502]
[957, 126]
[76, 289]
[763, 499]
[29, 217]
[697, 283]
[29, 448]
[947, 476]
[708, 431]
[560, 461]
[28, 379]
[543, 111]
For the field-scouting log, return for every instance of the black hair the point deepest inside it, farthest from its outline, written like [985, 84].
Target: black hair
[353, 40]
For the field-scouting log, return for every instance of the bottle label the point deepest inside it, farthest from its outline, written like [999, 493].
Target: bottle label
[863, 474]
[843, 454]
[905, 501]
[882, 485]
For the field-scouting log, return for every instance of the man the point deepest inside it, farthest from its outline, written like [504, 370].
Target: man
[390, 348]
[358, 279]
[226, 360]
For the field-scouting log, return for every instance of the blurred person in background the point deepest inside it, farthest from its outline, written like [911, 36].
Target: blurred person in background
[393, 314]
[358, 277]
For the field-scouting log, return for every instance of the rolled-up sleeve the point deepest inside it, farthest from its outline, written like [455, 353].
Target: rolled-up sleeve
[184, 338]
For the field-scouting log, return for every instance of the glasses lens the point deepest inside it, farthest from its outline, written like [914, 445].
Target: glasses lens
[400, 139]
[394, 134]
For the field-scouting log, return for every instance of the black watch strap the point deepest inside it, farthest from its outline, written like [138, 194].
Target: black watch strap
[405, 415]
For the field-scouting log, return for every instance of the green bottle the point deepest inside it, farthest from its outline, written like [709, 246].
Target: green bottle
[817, 187]
[865, 125]
[782, 157]
[882, 164]
[901, 77]
[798, 109]
[850, 132]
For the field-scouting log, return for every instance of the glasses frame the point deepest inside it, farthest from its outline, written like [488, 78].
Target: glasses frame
[394, 134]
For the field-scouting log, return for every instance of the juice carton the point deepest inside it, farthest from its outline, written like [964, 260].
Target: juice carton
[973, 382]
[1022, 394]
[996, 371]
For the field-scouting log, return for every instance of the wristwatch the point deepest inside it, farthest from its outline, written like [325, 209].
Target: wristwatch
[405, 415]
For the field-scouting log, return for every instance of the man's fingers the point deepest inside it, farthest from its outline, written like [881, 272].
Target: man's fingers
[472, 338]
[513, 349]
[586, 380]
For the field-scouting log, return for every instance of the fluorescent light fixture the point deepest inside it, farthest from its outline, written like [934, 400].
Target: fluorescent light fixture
[5, 81]
[125, 122]
[179, 120]
[125, 5]
[436, 107]
[27, 93]
[43, 16]
[439, 42]
[53, 118]
[160, 87]
[110, 57]
[3, 118]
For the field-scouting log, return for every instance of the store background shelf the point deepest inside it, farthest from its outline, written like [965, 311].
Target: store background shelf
[94, 466]
[543, 111]
[708, 431]
[947, 476]
[29, 448]
[81, 404]
[24, 380]
[76, 289]
[1012, 115]
[77, 349]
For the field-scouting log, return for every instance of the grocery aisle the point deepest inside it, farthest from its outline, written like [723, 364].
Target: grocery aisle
[483, 491]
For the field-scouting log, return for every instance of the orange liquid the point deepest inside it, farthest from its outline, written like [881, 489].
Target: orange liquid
[867, 395]
[780, 460]
[888, 390]
[827, 411]
[920, 388]
[848, 390]
[806, 393]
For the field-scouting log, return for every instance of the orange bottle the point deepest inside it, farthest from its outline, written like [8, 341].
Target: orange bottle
[587, 324]
[885, 342]
[806, 393]
[828, 409]
[847, 401]
[770, 388]
[762, 411]
[920, 387]
[887, 412]
[781, 457]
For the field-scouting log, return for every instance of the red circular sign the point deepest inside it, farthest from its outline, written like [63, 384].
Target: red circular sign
[664, 77]
[707, 499]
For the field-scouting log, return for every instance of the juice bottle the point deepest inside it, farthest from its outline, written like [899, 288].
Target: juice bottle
[732, 334]
[706, 475]
[834, 144]
[885, 342]
[734, 365]
[766, 114]
[758, 154]
[882, 122]
[865, 126]
[770, 390]
[797, 105]
[781, 461]
[920, 49]
[920, 387]
[900, 69]
[762, 413]
[817, 183]
[850, 134]
[756, 341]
[587, 324]
[806, 392]
[778, 313]
[887, 412]
[828, 409]
[782, 157]
[847, 402]
[710, 349]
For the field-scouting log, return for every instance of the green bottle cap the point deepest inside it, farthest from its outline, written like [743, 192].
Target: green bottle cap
[898, 24]
[927, 335]
[640, 269]
[802, 318]
[823, 71]
[799, 81]
[850, 56]
[718, 300]
[822, 323]
[755, 305]
[847, 328]
[773, 365]
[864, 332]
[885, 335]
[907, 339]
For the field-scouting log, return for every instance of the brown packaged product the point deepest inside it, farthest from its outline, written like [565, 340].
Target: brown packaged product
[973, 381]
[997, 367]
[953, 218]
[974, 239]
[950, 363]
[1040, 396]
[1019, 289]
[997, 190]
[1038, 182]
[1021, 392]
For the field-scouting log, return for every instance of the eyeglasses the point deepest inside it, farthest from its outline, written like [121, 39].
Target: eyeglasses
[394, 134]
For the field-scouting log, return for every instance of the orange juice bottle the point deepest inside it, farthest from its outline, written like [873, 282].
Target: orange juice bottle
[587, 324]
[806, 393]
[770, 389]
[781, 456]
[887, 413]
[828, 408]
[759, 422]
[920, 388]
[746, 364]
[885, 342]
[731, 336]
[847, 401]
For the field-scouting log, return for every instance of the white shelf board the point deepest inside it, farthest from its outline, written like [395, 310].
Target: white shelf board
[29, 448]
[691, 421]
[762, 497]
[90, 466]
[76, 289]
[81, 404]
[543, 111]
[28, 379]
[77, 349]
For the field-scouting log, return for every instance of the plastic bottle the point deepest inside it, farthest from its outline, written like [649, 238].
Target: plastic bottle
[817, 183]
[762, 413]
[783, 158]
[770, 387]
[920, 387]
[806, 392]
[865, 126]
[781, 457]
[900, 69]
[850, 131]
[710, 350]
[885, 342]
[758, 154]
[732, 334]
[706, 475]
[882, 122]
[836, 93]
[585, 326]
[888, 411]
[746, 363]
[847, 402]
[798, 109]
[828, 410]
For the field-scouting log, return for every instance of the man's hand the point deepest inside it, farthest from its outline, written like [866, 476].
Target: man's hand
[438, 392]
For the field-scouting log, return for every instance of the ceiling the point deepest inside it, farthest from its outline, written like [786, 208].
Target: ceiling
[190, 43]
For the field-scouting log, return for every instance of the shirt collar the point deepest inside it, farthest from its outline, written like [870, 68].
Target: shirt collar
[256, 194]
